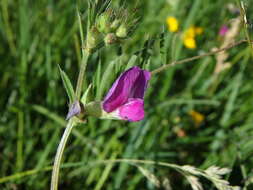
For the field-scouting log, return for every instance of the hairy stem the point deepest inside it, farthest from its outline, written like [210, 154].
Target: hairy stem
[58, 157]
[162, 68]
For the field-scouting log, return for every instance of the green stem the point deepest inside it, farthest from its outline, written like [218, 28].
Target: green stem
[81, 75]
[70, 124]
[58, 157]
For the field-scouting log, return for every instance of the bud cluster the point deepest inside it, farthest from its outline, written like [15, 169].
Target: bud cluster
[111, 26]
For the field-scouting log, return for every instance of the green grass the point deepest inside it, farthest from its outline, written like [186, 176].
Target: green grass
[37, 36]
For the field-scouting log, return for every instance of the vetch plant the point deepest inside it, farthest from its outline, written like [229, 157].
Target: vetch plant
[125, 99]
[105, 26]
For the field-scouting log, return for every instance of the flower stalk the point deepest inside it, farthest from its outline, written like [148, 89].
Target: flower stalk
[69, 126]
[59, 153]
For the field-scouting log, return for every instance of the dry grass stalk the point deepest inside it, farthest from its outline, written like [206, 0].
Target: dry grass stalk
[228, 39]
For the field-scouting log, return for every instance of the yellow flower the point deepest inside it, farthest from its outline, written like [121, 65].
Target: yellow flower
[189, 36]
[172, 24]
[197, 117]
[190, 32]
[193, 31]
[190, 42]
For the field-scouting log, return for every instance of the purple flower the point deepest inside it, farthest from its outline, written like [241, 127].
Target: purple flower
[223, 30]
[125, 98]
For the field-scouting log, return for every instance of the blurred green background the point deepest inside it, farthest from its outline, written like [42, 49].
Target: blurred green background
[195, 115]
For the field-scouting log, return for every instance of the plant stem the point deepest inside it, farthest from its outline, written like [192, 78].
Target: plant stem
[58, 157]
[81, 74]
[69, 127]
[70, 124]
[160, 69]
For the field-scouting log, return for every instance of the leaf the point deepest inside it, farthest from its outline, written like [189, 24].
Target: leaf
[68, 86]
[106, 78]
[85, 95]
[131, 62]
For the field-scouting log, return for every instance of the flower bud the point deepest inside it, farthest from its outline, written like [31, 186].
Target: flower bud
[115, 24]
[110, 38]
[94, 38]
[122, 31]
[103, 23]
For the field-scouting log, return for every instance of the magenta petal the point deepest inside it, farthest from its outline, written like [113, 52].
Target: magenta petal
[140, 85]
[133, 110]
[130, 84]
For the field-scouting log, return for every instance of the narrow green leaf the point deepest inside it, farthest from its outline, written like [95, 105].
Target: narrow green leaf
[67, 85]
[85, 95]
[106, 78]
[132, 61]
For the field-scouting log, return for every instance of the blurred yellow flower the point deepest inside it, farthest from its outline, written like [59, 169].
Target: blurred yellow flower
[197, 117]
[172, 24]
[189, 36]
[190, 42]
[190, 32]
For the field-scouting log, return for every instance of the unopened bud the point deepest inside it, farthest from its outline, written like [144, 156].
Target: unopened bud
[94, 38]
[115, 24]
[103, 23]
[122, 31]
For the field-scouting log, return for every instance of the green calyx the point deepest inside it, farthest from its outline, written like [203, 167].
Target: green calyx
[95, 109]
